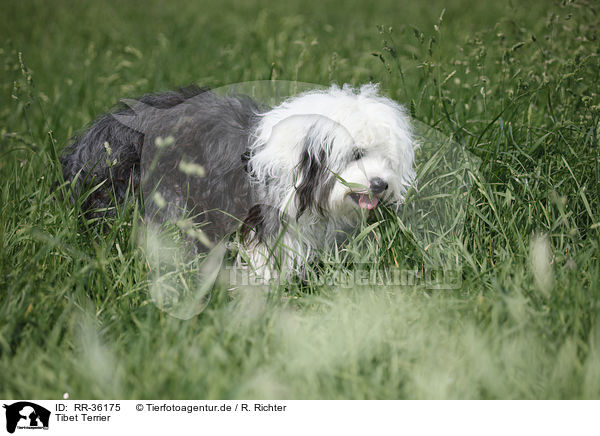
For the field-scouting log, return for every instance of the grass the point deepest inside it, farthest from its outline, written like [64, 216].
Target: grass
[516, 84]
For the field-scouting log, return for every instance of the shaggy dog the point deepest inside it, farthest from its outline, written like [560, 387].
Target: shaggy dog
[294, 179]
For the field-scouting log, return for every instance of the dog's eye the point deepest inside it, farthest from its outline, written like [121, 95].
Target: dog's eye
[357, 154]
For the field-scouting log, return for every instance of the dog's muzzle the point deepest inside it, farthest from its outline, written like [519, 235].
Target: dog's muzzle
[370, 200]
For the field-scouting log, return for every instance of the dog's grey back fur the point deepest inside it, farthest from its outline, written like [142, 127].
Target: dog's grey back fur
[208, 130]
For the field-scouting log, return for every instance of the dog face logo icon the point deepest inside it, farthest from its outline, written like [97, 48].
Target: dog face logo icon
[26, 415]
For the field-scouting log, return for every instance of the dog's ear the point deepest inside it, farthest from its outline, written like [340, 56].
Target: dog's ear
[312, 176]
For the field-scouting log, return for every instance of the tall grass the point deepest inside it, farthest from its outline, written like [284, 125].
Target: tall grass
[516, 85]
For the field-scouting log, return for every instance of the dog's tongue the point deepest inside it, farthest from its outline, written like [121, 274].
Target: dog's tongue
[367, 202]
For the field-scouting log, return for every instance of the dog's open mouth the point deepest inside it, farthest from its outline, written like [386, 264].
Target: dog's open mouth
[365, 200]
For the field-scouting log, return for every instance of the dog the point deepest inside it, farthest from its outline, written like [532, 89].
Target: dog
[291, 180]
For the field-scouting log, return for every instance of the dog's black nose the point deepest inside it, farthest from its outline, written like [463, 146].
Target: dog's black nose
[378, 185]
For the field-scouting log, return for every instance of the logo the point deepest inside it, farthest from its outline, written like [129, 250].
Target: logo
[26, 415]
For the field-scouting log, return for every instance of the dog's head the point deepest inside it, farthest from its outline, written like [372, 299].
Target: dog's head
[334, 153]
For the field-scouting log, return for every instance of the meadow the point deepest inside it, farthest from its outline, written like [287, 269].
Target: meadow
[515, 83]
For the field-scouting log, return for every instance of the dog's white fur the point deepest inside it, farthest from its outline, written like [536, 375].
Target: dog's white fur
[332, 126]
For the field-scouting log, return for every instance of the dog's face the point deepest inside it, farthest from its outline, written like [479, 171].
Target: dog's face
[337, 153]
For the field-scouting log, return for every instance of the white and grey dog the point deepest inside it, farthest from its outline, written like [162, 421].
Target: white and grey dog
[294, 179]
